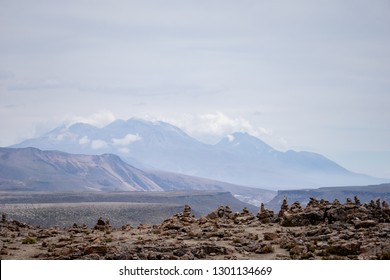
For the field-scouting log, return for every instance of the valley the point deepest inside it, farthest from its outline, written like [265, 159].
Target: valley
[64, 209]
[146, 190]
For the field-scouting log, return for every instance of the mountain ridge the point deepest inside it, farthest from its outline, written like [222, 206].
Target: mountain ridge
[238, 158]
[31, 169]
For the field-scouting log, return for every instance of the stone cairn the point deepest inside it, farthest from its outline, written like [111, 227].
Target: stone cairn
[319, 230]
[322, 211]
[103, 225]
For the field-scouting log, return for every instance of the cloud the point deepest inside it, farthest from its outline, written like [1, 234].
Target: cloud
[124, 150]
[127, 140]
[98, 144]
[84, 140]
[230, 137]
[99, 119]
[213, 126]
[63, 135]
[46, 83]
[6, 75]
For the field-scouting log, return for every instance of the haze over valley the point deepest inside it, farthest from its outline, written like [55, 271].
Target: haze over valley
[144, 156]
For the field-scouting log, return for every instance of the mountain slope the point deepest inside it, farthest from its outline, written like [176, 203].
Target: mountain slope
[31, 169]
[238, 158]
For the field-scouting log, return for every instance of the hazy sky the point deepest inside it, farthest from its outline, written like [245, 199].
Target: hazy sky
[303, 75]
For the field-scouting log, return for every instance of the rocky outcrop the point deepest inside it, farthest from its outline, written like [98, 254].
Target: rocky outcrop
[321, 230]
[364, 193]
[317, 212]
[335, 230]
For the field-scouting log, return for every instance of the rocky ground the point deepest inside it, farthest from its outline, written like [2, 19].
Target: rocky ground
[321, 230]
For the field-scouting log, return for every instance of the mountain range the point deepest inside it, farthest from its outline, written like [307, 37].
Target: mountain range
[238, 158]
[34, 170]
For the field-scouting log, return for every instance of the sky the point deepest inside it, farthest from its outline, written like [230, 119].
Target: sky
[302, 75]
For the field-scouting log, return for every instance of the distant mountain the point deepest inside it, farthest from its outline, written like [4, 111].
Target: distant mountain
[243, 144]
[37, 170]
[364, 193]
[238, 158]
[31, 169]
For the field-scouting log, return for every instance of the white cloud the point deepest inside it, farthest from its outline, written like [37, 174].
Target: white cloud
[283, 144]
[127, 140]
[217, 125]
[63, 135]
[98, 144]
[124, 150]
[230, 138]
[84, 140]
[290, 61]
[60, 137]
[99, 119]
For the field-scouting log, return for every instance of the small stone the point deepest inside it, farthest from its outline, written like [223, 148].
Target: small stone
[268, 236]
[365, 224]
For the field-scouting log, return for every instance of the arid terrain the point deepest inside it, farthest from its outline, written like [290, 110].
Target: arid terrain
[321, 230]
[47, 209]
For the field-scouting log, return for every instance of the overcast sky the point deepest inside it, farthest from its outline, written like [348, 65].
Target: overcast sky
[302, 75]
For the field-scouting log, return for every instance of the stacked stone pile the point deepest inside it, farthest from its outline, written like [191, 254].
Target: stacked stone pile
[335, 230]
[317, 212]
[320, 230]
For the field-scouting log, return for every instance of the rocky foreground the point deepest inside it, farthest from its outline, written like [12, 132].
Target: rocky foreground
[321, 230]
